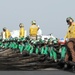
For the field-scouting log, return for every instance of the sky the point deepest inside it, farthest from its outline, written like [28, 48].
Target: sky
[50, 15]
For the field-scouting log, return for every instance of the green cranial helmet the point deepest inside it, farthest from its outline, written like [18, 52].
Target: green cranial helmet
[55, 41]
[33, 22]
[69, 18]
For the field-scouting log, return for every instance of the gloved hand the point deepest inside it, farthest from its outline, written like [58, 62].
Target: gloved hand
[67, 39]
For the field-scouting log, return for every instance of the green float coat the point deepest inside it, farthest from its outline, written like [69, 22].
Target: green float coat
[21, 47]
[53, 53]
[37, 51]
[63, 52]
[31, 50]
[44, 50]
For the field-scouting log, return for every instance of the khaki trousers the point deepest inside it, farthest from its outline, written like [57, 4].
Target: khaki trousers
[70, 49]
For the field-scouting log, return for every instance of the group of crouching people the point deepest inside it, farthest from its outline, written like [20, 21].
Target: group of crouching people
[55, 49]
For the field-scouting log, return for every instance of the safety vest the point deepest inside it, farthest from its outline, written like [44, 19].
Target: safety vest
[7, 34]
[33, 30]
[22, 32]
[71, 31]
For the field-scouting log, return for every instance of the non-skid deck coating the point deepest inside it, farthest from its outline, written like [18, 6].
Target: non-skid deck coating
[36, 73]
[14, 61]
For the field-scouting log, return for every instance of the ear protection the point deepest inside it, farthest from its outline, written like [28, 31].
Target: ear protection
[69, 19]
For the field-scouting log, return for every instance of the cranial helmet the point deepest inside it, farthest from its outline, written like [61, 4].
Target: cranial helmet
[69, 19]
[21, 25]
[4, 28]
[33, 22]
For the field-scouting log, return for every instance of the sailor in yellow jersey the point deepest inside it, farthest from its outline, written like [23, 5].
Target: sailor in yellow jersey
[33, 30]
[7, 33]
[71, 39]
[71, 28]
[22, 31]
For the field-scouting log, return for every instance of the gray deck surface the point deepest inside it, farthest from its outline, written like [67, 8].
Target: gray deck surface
[53, 72]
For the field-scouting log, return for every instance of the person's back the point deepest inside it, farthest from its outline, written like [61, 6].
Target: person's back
[33, 30]
[22, 31]
[7, 34]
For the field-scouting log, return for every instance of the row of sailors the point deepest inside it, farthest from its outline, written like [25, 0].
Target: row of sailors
[37, 46]
[34, 31]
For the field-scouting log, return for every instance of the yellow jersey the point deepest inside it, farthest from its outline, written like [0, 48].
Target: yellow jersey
[7, 34]
[33, 30]
[22, 32]
[71, 31]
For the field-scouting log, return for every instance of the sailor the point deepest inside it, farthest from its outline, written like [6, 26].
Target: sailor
[22, 31]
[7, 33]
[33, 30]
[71, 39]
